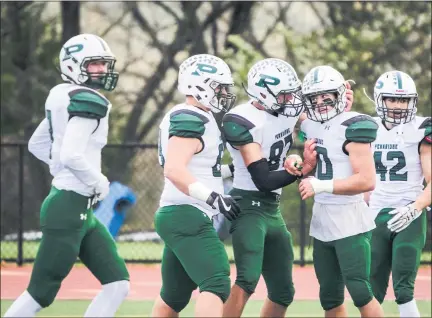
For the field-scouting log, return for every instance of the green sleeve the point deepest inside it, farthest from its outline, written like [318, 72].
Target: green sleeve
[427, 126]
[361, 128]
[87, 104]
[236, 130]
[186, 123]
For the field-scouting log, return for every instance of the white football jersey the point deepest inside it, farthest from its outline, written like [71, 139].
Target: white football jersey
[397, 163]
[66, 100]
[333, 161]
[246, 124]
[191, 122]
[337, 216]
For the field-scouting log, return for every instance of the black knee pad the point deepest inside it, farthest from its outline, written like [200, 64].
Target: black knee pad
[177, 301]
[220, 285]
[282, 296]
[360, 291]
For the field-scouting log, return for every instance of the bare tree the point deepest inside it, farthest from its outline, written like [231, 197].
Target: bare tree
[70, 19]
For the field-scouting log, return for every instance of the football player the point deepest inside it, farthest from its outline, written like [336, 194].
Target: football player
[190, 151]
[259, 135]
[70, 140]
[341, 224]
[402, 153]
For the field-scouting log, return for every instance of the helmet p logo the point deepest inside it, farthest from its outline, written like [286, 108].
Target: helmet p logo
[72, 49]
[205, 68]
[266, 79]
[379, 85]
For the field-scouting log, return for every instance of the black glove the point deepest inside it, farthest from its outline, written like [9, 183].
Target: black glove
[226, 204]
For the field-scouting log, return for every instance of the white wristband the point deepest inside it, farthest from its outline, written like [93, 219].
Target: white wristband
[199, 191]
[322, 185]
[226, 171]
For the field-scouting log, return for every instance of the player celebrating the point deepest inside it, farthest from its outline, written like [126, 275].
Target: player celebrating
[70, 140]
[402, 161]
[340, 223]
[259, 134]
[190, 150]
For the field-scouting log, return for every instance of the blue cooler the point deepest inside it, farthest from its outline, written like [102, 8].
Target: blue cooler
[112, 210]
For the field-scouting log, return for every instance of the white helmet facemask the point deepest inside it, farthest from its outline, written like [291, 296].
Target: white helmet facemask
[323, 80]
[209, 80]
[274, 84]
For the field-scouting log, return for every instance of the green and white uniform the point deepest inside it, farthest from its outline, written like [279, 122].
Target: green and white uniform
[399, 183]
[338, 216]
[191, 122]
[69, 227]
[193, 254]
[340, 224]
[259, 234]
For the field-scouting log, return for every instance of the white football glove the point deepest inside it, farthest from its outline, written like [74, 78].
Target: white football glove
[403, 216]
[101, 189]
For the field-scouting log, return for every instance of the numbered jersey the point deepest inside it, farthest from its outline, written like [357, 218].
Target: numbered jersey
[333, 160]
[63, 102]
[399, 172]
[246, 124]
[191, 122]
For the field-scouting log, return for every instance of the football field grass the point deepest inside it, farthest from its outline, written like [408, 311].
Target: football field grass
[130, 308]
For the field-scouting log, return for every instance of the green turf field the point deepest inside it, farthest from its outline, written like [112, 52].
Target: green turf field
[302, 308]
[140, 251]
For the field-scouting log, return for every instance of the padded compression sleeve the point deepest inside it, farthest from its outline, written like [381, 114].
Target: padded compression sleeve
[266, 180]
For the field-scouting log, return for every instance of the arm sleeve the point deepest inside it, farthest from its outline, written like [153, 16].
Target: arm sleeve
[74, 145]
[266, 180]
[40, 142]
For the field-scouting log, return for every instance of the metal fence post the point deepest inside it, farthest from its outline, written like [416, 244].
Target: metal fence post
[302, 231]
[21, 204]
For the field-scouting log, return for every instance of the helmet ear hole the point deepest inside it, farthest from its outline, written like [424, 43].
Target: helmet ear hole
[70, 68]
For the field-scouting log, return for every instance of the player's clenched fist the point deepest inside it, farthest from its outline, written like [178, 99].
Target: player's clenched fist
[294, 165]
[310, 156]
[306, 189]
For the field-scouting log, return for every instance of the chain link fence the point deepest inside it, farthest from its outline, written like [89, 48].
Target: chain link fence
[25, 182]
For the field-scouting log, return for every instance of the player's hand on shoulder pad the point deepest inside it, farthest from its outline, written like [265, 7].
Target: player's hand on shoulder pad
[403, 217]
[225, 204]
[101, 189]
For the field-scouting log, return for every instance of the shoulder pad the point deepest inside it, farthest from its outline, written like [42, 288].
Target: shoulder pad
[187, 123]
[87, 103]
[236, 130]
[361, 128]
[427, 126]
